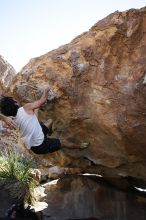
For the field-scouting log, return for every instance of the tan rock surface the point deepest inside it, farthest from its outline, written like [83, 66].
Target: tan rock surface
[97, 94]
[7, 73]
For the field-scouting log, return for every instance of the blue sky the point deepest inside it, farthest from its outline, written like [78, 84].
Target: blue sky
[30, 28]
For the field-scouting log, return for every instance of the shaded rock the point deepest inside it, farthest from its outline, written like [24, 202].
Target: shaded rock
[83, 197]
[5, 202]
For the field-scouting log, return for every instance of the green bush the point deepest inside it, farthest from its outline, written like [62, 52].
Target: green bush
[15, 177]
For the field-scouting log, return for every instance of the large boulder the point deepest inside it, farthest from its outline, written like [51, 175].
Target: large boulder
[97, 94]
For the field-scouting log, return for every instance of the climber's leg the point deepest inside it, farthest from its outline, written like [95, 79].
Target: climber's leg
[49, 145]
[47, 127]
[49, 123]
[71, 145]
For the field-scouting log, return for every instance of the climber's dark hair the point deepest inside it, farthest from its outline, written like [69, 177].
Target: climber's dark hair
[8, 106]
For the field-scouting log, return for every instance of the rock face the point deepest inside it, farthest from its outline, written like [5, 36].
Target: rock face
[6, 202]
[97, 94]
[86, 198]
[7, 72]
[81, 197]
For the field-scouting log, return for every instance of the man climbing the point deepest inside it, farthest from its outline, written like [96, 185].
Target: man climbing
[34, 133]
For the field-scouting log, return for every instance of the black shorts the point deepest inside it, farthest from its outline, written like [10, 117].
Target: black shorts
[49, 145]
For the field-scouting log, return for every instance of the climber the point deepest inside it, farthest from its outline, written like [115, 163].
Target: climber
[32, 132]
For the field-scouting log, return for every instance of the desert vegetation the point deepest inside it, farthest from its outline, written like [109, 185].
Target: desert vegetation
[15, 175]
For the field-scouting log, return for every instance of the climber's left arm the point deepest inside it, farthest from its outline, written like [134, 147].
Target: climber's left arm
[9, 121]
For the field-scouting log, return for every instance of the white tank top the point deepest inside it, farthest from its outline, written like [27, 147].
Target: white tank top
[29, 128]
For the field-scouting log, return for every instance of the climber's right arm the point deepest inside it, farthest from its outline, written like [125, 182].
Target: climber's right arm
[30, 107]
